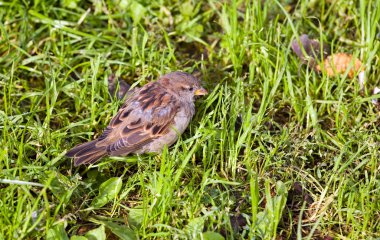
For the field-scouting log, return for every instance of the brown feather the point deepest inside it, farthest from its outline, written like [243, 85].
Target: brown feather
[146, 120]
[86, 153]
[87, 159]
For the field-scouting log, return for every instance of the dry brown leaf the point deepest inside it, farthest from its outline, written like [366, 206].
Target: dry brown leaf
[339, 63]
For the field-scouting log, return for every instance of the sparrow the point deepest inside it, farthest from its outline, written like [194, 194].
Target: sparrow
[151, 117]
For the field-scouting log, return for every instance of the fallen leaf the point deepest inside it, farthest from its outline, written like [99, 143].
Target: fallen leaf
[339, 63]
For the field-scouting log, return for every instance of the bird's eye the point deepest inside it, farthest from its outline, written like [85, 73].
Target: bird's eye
[187, 89]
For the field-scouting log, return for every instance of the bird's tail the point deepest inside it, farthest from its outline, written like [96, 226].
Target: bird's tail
[86, 153]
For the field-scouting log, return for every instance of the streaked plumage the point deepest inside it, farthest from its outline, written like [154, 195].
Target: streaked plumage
[152, 116]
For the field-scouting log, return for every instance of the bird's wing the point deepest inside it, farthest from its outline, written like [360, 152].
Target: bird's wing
[146, 115]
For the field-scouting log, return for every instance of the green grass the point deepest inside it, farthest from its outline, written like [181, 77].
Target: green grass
[274, 151]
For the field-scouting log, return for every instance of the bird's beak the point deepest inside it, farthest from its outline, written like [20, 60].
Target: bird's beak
[200, 92]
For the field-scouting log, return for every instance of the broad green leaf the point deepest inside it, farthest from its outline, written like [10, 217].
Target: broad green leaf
[107, 191]
[195, 227]
[78, 238]
[123, 4]
[57, 233]
[263, 224]
[61, 187]
[212, 236]
[135, 217]
[96, 234]
[70, 3]
[122, 231]
[137, 11]
[186, 8]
